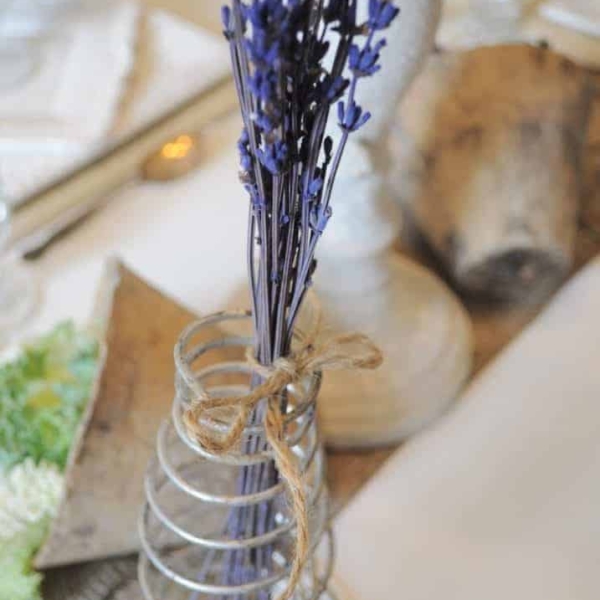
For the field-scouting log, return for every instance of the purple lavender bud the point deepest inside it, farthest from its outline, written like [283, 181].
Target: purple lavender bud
[242, 143]
[364, 62]
[341, 113]
[381, 14]
[251, 189]
[276, 11]
[263, 84]
[244, 151]
[335, 88]
[319, 218]
[266, 160]
[281, 151]
[274, 157]
[363, 120]
[272, 54]
[262, 51]
[354, 57]
[246, 162]
[265, 123]
[256, 13]
[226, 17]
[315, 187]
[352, 117]
[258, 203]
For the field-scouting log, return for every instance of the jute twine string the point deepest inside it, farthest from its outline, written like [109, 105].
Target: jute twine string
[346, 352]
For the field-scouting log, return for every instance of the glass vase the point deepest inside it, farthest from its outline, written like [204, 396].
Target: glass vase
[201, 537]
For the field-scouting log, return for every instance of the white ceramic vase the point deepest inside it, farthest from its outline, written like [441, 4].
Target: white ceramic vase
[364, 284]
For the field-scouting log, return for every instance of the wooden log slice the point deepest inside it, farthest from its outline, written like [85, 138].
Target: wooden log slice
[488, 150]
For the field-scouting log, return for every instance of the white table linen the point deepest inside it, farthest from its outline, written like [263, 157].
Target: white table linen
[500, 499]
[66, 107]
[187, 237]
[582, 15]
[100, 79]
[73, 92]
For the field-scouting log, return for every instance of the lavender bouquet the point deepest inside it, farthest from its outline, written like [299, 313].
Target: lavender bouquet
[293, 60]
[279, 52]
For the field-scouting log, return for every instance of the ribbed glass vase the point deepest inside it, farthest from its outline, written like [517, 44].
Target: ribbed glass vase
[207, 533]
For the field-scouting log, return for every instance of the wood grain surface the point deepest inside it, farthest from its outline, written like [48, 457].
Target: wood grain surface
[481, 124]
[105, 477]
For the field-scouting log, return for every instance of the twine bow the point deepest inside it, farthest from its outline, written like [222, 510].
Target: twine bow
[345, 352]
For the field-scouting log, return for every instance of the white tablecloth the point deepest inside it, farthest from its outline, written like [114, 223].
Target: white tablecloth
[187, 237]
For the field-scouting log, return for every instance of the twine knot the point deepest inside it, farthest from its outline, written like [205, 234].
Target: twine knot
[287, 366]
[348, 352]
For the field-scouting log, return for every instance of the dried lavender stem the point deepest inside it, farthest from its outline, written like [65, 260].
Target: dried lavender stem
[277, 49]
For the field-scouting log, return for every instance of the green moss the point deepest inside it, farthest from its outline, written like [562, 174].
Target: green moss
[18, 580]
[43, 394]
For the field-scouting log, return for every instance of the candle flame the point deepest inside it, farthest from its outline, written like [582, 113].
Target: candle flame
[179, 148]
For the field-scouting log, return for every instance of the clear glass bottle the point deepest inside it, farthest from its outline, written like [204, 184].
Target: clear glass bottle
[193, 497]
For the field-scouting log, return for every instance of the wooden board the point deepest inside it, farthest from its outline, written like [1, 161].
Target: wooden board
[479, 124]
[135, 392]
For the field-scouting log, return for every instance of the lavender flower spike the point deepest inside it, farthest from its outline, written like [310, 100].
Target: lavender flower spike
[381, 14]
[288, 79]
[365, 62]
[352, 118]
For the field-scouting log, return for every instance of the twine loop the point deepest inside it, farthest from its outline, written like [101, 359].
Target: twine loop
[345, 352]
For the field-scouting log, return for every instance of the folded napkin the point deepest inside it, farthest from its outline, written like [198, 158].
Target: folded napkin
[72, 95]
[59, 114]
[183, 60]
[95, 106]
[499, 500]
[567, 25]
